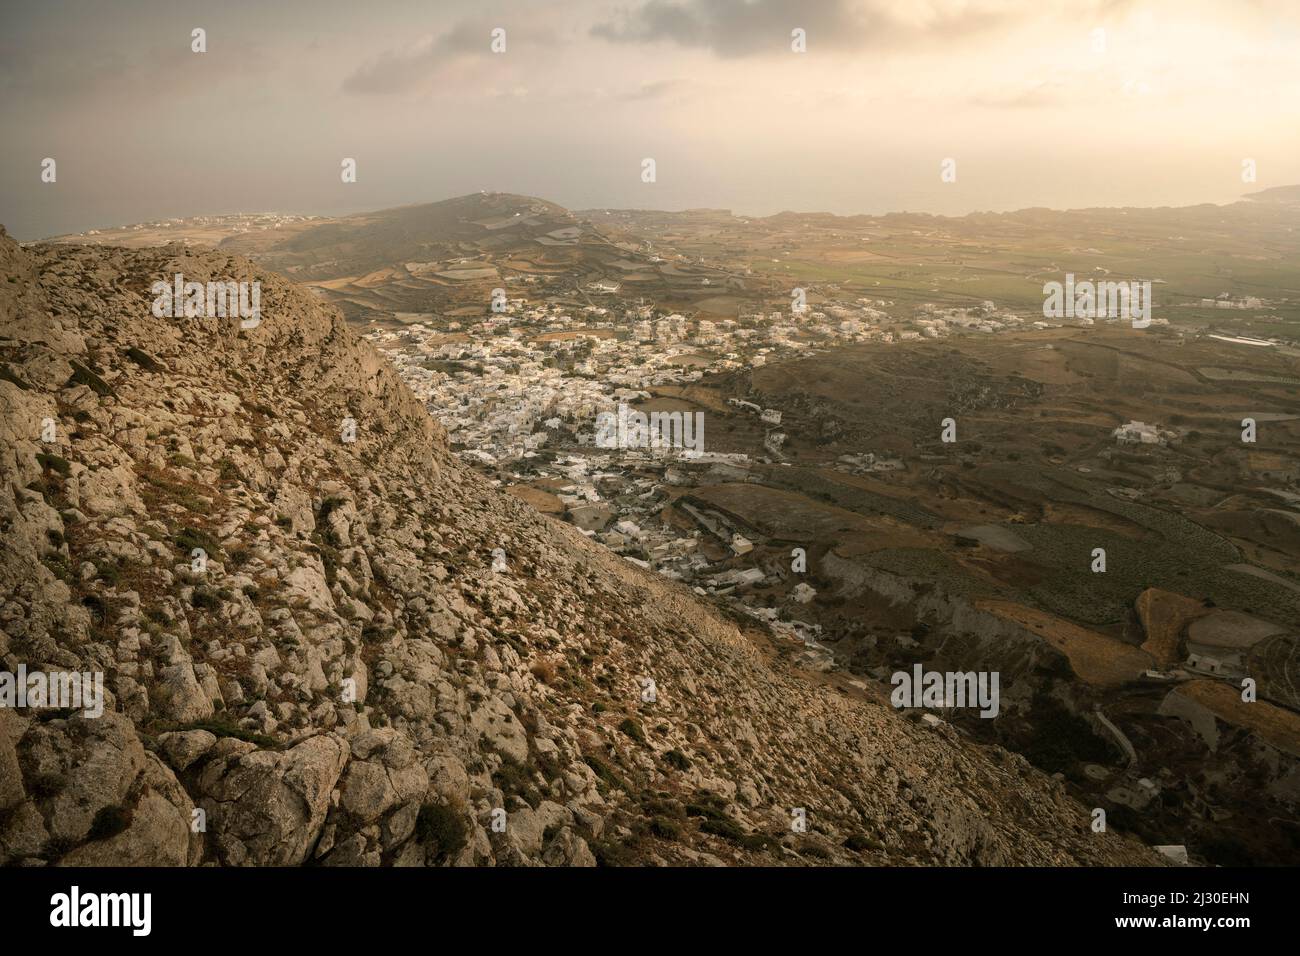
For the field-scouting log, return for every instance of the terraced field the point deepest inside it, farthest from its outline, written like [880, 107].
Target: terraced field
[1096, 658]
[1275, 662]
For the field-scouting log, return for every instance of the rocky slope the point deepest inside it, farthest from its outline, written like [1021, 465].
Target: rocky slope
[354, 677]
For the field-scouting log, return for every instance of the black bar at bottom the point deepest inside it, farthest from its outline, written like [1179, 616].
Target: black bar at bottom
[343, 907]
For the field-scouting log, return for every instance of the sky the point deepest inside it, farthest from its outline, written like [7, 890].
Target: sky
[1033, 104]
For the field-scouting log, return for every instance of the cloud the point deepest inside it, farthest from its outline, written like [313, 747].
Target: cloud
[1036, 94]
[741, 28]
[396, 71]
[655, 91]
[87, 77]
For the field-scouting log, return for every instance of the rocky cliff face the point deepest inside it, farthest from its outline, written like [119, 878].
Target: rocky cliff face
[319, 650]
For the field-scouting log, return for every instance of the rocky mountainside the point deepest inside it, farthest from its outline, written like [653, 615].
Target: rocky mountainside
[328, 651]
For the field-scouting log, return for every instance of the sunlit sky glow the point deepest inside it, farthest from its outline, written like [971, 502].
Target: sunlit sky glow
[142, 128]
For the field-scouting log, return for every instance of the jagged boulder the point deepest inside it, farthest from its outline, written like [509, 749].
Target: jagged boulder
[96, 797]
[267, 808]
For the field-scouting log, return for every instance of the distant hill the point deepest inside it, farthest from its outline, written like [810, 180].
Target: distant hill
[464, 227]
[1280, 194]
[447, 257]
